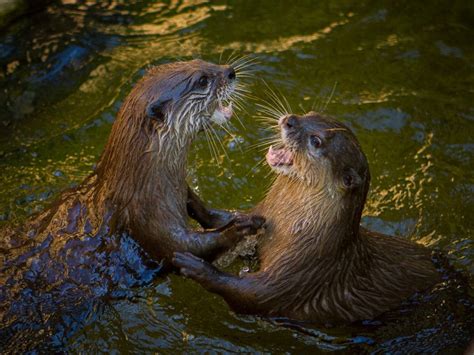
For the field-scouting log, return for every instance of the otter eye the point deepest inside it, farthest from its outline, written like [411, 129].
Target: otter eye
[316, 141]
[347, 179]
[203, 81]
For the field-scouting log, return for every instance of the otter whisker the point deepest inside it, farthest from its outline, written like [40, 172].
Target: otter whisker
[242, 89]
[275, 103]
[246, 65]
[232, 53]
[243, 65]
[316, 104]
[241, 99]
[277, 100]
[244, 61]
[272, 112]
[262, 145]
[212, 144]
[286, 101]
[268, 125]
[271, 181]
[270, 139]
[271, 106]
[242, 95]
[268, 119]
[302, 109]
[248, 68]
[257, 165]
[242, 92]
[234, 58]
[240, 105]
[219, 140]
[246, 73]
[230, 58]
[267, 175]
[227, 127]
[330, 97]
[260, 149]
[239, 120]
[335, 129]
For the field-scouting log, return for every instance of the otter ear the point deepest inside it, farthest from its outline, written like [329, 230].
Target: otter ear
[351, 179]
[156, 110]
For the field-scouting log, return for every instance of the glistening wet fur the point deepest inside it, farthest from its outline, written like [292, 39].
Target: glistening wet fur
[316, 263]
[139, 190]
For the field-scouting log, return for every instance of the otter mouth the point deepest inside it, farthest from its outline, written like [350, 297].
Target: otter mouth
[222, 113]
[279, 157]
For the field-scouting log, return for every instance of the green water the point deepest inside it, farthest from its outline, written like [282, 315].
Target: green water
[402, 74]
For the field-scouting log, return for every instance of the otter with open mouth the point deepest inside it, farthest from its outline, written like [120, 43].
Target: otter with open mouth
[317, 263]
[79, 248]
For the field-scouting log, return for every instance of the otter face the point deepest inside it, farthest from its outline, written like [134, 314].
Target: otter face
[193, 93]
[319, 150]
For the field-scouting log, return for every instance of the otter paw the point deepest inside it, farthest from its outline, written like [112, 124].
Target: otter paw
[248, 224]
[191, 266]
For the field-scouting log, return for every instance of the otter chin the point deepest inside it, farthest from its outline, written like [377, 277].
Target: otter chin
[317, 264]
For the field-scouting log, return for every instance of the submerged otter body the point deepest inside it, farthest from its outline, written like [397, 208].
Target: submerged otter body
[316, 263]
[83, 246]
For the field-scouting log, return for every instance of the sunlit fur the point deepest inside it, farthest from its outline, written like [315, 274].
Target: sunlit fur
[144, 159]
[79, 248]
[317, 263]
[139, 184]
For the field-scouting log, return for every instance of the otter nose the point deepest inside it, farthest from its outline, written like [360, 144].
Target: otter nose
[229, 73]
[290, 122]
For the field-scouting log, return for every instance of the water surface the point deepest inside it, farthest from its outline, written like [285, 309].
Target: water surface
[400, 74]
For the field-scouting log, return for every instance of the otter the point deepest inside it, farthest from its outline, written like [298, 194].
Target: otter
[80, 246]
[317, 264]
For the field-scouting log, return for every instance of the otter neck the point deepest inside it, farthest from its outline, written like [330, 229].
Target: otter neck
[306, 218]
[142, 171]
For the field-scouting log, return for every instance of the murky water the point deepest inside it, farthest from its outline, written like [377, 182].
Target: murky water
[405, 81]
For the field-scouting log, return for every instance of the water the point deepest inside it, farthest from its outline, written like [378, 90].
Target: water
[404, 79]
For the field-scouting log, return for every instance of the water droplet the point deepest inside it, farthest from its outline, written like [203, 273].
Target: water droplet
[243, 271]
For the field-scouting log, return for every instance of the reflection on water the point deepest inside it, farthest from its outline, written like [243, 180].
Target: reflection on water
[403, 84]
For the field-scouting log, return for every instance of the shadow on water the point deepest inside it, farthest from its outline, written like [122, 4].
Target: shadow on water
[404, 84]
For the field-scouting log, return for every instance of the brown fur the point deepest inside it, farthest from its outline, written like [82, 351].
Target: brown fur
[139, 185]
[80, 248]
[316, 263]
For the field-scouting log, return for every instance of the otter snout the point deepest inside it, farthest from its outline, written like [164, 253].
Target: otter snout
[288, 122]
[229, 73]
[291, 129]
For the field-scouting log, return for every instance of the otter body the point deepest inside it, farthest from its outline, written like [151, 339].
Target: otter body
[316, 263]
[84, 245]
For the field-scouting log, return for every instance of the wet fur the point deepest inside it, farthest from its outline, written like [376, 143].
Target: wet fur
[316, 263]
[80, 248]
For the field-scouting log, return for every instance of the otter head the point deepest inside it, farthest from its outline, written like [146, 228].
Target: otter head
[157, 122]
[189, 94]
[321, 153]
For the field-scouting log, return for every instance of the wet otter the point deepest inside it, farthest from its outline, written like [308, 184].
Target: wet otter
[316, 263]
[80, 247]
